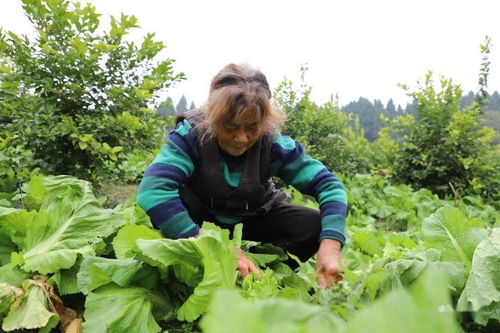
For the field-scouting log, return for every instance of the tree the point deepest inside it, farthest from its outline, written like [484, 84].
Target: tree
[166, 108]
[331, 136]
[77, 99]
[482, 94]
[445, 148]
[192, 106]
[181, 105]
[390, 109]
[368, 114]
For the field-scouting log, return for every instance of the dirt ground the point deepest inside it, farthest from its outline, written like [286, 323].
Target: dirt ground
[116, 193]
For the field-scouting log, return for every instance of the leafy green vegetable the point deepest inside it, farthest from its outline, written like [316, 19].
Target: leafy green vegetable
[426, 308]
[31, 312]
[8, 294]
[124, 244]
[6, 248]
[112, 309]
[457, 237]
[70, 222]
[13, 222]
[212, 251]
[96, 272]
[270, 315]
[12, 275]
[482, 289]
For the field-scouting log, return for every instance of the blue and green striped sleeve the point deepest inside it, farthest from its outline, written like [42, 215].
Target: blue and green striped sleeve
[290, 163]
[158, 192]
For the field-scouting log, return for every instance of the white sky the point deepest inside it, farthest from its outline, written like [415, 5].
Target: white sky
[353, 47]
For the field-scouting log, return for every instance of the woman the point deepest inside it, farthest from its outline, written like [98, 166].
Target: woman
[217, 165]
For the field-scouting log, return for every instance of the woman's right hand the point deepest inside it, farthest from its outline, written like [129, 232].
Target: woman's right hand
[245, 266]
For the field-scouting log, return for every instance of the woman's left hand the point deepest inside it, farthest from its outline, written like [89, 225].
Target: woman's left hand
[328, 263]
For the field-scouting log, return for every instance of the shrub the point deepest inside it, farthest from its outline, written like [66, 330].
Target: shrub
[327, 134]
[445, 148]
[79, 99]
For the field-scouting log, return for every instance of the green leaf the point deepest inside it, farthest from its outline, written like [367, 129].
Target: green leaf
[212, 251]
[70, 222]
[8, 294]
[31, 313]
[425, 308]
[112, 309]
[124, 244]
[65, 280]
[270, 316]
[403, 272]
[82, 145]
[455, 272]
[96, 272]
[14, 223]
[79, 45]
[451, 232]
[13, 275]
[482, 288]
[6, 248]
[368, 242]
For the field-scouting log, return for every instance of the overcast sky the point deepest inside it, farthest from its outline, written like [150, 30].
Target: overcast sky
[353, 47]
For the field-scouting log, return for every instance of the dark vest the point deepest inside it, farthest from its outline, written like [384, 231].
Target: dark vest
[255, 193]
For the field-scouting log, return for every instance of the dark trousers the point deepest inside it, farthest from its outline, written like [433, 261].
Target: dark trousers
[294, 228]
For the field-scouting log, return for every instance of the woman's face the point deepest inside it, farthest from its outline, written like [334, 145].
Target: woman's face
[235, 138]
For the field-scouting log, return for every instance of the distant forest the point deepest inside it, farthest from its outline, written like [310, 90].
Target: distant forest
[369, 112]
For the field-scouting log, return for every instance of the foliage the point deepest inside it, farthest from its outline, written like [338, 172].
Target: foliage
[181, 105]
[482, 290]
[166, 108]
[484, 71]
[327, 134]
[369, 114]
[128, 278]
[445, 148]
[75, 100]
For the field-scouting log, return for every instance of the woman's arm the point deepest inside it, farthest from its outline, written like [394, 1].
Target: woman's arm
[290, 163]
[158, 193]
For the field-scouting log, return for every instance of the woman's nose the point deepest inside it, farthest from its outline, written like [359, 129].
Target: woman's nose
[240, 136]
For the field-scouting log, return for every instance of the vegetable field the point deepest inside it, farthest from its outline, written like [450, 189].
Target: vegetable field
[82, 99]
[413, 263]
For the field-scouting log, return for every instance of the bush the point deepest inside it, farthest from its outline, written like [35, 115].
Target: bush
[327, 134]
[445, 148]
[78, 99]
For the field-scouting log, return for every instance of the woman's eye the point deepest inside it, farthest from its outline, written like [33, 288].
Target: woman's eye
[231, 127]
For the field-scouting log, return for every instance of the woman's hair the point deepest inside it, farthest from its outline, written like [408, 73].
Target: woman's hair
[239, 92]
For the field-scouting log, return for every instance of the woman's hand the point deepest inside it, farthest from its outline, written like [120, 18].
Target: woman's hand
[328, 263]
[245, 266]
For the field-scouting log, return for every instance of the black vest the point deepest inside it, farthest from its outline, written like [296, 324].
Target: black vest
[255, 193]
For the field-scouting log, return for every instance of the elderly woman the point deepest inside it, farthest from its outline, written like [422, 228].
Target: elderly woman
[217, 166]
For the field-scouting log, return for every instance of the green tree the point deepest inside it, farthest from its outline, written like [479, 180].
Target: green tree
[166, 108]
[368, 115]
[78, 100]
[192, 106]
[181, 105]
[390, 109]
[484, 72]
[445, 148]
[327, 134]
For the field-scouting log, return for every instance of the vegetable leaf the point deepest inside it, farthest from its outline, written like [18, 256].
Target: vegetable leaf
[212, 251]
[457, 237]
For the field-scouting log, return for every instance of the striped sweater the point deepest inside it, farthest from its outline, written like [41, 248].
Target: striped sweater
[158, 193]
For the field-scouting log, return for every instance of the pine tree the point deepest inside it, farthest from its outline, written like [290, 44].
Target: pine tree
[390, 109]
[166, 108]
[182, 105]
[193, 106]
